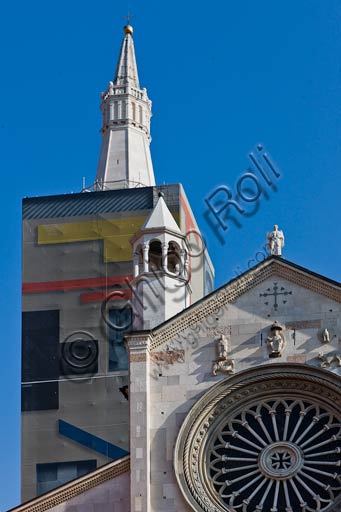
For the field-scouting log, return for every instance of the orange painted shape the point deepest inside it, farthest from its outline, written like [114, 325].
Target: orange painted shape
[75, 284]
[108, 295]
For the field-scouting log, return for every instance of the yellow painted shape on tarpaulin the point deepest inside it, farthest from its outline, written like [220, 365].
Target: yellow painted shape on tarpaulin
[115, 234]
[117, 248]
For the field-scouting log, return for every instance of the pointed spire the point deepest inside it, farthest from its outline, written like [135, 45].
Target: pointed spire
[161, 217]
[125, 159]
[126, 71]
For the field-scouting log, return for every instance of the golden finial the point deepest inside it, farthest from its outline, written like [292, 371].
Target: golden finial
[128, 29]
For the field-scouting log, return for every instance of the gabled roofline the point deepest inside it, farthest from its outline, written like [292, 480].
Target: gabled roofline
[237, 286]
[75, 487]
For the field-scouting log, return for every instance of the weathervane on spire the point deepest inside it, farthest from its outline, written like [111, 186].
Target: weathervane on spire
[128, 29]
[128, 17]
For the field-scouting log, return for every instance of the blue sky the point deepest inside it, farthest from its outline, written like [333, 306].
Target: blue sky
[222, 79]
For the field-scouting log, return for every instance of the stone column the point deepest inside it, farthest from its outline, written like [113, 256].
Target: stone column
[182, 262]
[136, 264]
[165, 257]
[187, 268]
[139, 402]
[145, 257]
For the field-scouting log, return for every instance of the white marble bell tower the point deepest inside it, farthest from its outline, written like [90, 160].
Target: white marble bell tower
[161, 284]
[125, 160]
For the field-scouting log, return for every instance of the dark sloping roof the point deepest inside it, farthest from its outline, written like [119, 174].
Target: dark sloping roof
[88, 203]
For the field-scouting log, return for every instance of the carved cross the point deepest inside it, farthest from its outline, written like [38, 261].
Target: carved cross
[275, 294]
[281, 460]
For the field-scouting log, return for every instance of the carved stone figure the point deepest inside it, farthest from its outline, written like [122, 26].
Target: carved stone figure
[327, 362]
[224, 364]
[275, 240]
[276, 340]
[222, 347]
[325, 336]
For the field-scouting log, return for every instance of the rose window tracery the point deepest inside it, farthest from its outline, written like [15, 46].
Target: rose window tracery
[277, 455]
[265, 440]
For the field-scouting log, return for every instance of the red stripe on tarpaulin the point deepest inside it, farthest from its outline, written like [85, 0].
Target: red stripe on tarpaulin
[109, 295]
[75, 284]
[190, 226]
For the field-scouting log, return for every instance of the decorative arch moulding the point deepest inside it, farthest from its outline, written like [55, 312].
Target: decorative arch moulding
[266, 439]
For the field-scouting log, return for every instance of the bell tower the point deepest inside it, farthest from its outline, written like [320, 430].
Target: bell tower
[125, 160]
[81, 245]
[161, 269]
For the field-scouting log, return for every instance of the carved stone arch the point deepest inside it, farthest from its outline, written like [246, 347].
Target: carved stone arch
[155, 255]
[266, 439]
[174, 259]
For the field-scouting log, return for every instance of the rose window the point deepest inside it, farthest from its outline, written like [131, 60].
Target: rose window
[277, 455]
[264, 441]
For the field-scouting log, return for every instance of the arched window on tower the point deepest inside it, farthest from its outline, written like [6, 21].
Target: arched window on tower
[116, 110]
[155, 256]
[123, 109]
[140, 115]
[133, 106]
[174, 263]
